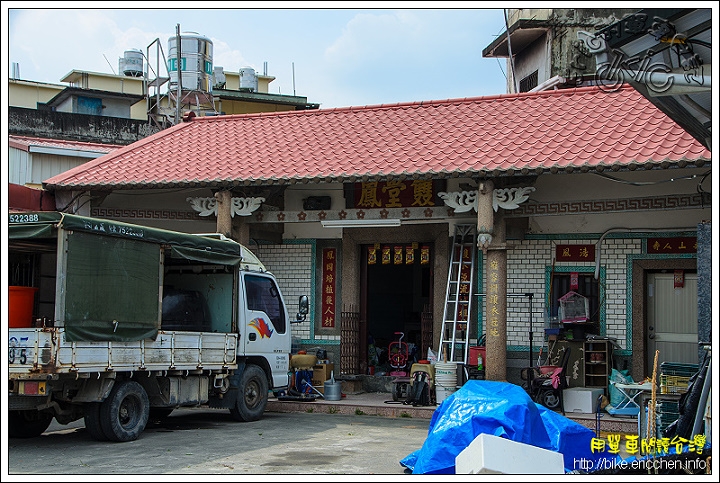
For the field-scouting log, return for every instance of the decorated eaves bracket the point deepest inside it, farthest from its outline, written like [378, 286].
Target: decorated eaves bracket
[240, 206]
[507, 198]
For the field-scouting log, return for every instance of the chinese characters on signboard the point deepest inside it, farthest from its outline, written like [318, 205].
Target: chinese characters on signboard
[493, 300]
[575, 253]
[397, 254]
[395, 194]
[329, 271]
[678, 244]
[464, 288]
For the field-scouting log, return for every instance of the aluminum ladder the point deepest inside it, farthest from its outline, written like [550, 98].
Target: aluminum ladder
[454, 337]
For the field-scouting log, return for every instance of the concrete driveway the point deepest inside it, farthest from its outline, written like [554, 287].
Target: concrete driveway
[207, 441]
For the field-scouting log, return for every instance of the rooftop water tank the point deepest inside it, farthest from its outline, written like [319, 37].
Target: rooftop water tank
[248, 79]
[196, 64]
[219, 78]
[131, 64]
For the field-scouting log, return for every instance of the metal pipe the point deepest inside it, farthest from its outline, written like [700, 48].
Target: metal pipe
[550, 83]
[178, 40]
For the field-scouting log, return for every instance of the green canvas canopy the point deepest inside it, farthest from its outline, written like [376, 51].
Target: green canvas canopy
[184, 245]
[113, 271]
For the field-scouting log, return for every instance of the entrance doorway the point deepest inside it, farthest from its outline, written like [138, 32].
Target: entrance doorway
[395, 296]
[672, 317]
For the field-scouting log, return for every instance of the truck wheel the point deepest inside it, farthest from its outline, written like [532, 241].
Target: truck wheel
[92, 421]
[27, 424]
[124, 414]
[252, 395]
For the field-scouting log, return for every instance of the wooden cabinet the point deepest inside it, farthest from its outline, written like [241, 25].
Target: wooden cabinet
[598, 363]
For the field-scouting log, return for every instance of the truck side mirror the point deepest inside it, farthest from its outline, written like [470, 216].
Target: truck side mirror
[303, 308]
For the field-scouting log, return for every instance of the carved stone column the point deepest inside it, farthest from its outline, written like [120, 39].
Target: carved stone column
[496, 305]
[485, 211]
[224, 213]
[241, 231]
[491, 240]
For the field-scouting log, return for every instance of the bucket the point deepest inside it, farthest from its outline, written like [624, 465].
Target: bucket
[445, 380]
[332, 391]
[442, 392]
[21, 302]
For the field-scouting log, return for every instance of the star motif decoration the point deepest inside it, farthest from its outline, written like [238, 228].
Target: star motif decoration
[302, 215]
[384, 214]
[360, 215]
[322, 215]
[259, 217]
[281, 216]
[342, 215]
[405, 213]
[428, 213]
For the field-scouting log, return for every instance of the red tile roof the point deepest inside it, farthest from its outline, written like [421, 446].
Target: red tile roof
[571, 129]
[26, 142]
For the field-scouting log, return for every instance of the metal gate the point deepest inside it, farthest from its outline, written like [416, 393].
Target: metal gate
[350, 340]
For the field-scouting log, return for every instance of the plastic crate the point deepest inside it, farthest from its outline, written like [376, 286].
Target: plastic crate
[668, 407]
[673, 384]
[678, 369]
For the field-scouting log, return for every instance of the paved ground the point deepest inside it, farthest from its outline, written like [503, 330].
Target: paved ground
[361, 434]
[205, 441]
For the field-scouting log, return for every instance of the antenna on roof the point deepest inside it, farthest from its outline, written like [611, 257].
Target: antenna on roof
[111, 67]
[293, 71]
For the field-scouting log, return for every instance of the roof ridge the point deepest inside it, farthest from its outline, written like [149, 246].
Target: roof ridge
[508, 134]
[30, 139]
[436, 102]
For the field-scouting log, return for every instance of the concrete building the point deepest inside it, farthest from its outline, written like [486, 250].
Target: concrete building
[579, 180]
[54, 127]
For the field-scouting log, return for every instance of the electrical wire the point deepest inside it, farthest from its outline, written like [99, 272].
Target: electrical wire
[650, 183]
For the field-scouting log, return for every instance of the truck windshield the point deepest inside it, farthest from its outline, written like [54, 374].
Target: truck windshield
[263, 296]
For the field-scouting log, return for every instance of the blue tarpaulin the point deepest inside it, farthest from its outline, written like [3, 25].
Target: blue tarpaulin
[499, 409]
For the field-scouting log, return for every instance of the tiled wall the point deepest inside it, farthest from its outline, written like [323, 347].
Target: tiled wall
[292, 265]
[526, 265]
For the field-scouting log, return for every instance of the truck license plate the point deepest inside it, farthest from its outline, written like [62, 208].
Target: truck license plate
[32, 388]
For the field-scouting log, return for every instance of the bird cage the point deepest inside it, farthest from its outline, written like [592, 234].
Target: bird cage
[574, 308]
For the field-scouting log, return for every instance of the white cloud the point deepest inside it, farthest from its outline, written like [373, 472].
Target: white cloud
[335, 57]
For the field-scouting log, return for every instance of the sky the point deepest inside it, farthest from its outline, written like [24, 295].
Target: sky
[335, 57]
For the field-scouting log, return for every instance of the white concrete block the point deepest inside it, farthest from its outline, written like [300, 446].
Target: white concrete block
[488, 454]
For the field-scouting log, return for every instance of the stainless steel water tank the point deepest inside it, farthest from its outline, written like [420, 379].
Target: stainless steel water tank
[219, 78]
[132, 63]
[248, 79]
[196, 64]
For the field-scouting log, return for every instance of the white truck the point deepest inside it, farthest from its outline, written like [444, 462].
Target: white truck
[124, 323]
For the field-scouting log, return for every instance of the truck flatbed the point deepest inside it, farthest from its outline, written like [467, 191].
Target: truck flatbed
[36, 351]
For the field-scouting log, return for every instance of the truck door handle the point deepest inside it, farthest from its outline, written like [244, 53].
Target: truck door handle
[252, 336]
